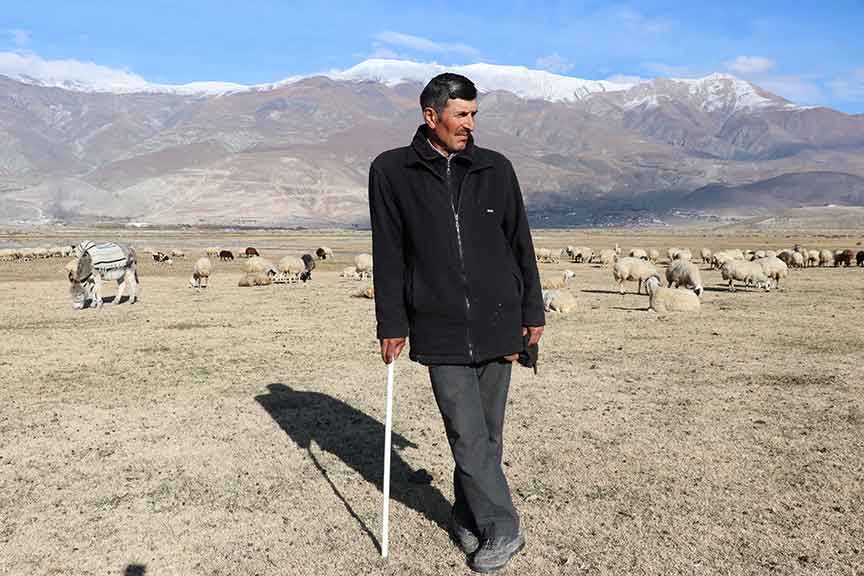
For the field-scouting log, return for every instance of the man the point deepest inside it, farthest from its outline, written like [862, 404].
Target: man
[455, 272]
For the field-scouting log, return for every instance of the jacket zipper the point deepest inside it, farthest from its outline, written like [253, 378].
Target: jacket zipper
[456, 209]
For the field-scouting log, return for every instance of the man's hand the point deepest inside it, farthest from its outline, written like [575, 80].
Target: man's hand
[535, 331]
[391, 348]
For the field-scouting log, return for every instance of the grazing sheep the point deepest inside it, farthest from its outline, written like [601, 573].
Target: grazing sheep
[653, 255]
[844, 258]
[324, 252]
[309, 262]
[775, 269]
[786, 256]
[686, 274]
[257, 264]
[812, 258]
[683, 254]
[6, 254]
[663, 300]
[859, 258]
[212, 252]
[705, 253]
[250, 252]
[797, 260]
[561, 302]
[162, 258]
[557, 283]
[545, 255]
[608, 257]
[581, 254]
[750, 273]
[363, 264]
[350, 272]
[629, 268]
[638, 253]
[566, 251]
[200, 273]
[226, 255]
[291, 270]
[255, 279]
[826, 258]
[178, 254]
[70, 268]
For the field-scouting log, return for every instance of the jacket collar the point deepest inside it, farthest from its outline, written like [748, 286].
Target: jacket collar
[421, 151]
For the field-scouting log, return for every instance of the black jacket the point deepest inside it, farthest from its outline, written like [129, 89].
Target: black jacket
[459, 278]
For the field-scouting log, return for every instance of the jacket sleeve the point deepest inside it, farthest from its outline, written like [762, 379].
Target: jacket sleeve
[388, 258]
[519, 236]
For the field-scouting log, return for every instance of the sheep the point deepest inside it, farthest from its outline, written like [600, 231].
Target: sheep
[6, 254]
[617, 250]
[705, 253]
[561, 302]
[212, 252]
[250, 252]
[226, 255]
[859, 258]
[844, 258]
[162, 258]
[775, 269]
[686, 274]
[750, 273]
[557, 283]
[812, 258]
[200, 273]
[257, 264]
[653, 255]
[324, 252]
[70, 268]
[662, 300]
[797, 260]
[581, 254]
[255, 279]
[629, 268]
[638, 253]
[291, 269]
[545, 255]
[350, 272]
[607, 257]
[309, 262]
[363, 264]
[786, 256]
[566, 251]
[683, 254]
[826, 258]
[178, 254]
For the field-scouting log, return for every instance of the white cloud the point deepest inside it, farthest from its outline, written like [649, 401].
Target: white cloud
[793, 88]
[421, 44]
[70, 73]
[849, 87]
[749, 65]
[21, 38]
[635, 22]
[554, 63]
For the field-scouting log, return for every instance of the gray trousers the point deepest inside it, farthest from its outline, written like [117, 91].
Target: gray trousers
[472, 401]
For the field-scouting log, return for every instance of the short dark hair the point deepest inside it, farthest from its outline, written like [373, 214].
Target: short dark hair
[446, 87]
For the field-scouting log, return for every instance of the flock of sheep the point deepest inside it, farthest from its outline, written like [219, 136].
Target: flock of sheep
[762, 269]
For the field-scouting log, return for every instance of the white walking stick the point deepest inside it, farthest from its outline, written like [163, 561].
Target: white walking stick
[388, 428]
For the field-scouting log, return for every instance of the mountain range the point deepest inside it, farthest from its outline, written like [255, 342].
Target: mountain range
[297, 152]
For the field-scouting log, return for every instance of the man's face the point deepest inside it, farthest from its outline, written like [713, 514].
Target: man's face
[452, 127]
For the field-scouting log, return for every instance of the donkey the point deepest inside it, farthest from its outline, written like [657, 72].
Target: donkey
[100, 262]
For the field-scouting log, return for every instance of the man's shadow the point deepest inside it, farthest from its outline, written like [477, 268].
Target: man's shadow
[358, 440]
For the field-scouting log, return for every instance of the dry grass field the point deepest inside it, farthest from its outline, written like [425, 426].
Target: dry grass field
[233, 431]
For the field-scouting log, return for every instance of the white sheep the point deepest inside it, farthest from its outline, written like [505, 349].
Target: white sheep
[178, 254]
[750, 273]
[545, 255]
[774, 268]
[582, 254]
[255, 279]
[290, 269]
[662, 300]
[705, 253]
[686, 274]
[557, 283]
[324, 253]
[826, 257]
[812, 258]
[653, 254]
[212, 252]
[561, 302]
[638, 253]
[608, 257]
[683, 254]
[363, 264]
[629, 268]
[257, 264]
[200, 273]
[350, 272]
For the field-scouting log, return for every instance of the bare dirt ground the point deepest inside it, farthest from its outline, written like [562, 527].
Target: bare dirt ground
[238, 430]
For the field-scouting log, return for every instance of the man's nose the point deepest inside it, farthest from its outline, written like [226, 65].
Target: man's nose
[469, 123]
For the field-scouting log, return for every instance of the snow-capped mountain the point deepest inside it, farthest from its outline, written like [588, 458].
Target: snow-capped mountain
[715, 92]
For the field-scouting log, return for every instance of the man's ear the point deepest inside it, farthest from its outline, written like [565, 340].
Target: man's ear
[431, 117]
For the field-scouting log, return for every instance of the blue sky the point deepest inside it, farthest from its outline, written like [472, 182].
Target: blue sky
[809, 52]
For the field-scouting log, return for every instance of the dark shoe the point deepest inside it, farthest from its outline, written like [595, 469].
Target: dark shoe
[496, 553]
[462, 536]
